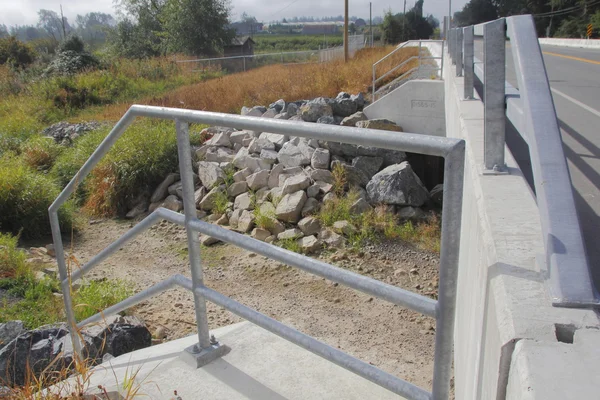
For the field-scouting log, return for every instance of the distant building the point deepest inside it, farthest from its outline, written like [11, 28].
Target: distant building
[247, 28]
[359, 22]
[316, 28]
[240, 46]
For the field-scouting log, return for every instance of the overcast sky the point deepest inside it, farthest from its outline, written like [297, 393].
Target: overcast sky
[22, 12]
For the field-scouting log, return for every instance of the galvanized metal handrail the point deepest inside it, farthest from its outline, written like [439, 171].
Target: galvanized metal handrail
[418, 57]
[443, 309]
[530, 109]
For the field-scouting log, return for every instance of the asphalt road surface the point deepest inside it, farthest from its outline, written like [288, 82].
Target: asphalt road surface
[574, 76]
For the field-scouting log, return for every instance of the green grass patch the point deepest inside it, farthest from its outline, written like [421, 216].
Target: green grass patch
[290, 244]
[12, 259]
[25, 196]
[99, 295]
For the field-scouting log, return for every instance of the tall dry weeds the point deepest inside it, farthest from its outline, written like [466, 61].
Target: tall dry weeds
[267, 84]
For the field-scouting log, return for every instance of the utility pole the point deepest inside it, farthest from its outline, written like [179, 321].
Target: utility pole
[371, 22]
[346, 31]
[404, 22]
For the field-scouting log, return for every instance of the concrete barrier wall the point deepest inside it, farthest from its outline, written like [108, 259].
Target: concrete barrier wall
[585, 43]
[504, 314]
[417, 106]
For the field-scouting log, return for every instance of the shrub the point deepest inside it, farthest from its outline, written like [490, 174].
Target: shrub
[221, 202]
[264, 220]
[99, 295]
[41, 152]
[136, 164]
[15, 53]
[72, 58]
[25, 196]
[12, 259]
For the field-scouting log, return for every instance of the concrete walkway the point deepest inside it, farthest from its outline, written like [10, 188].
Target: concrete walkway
[259, 366]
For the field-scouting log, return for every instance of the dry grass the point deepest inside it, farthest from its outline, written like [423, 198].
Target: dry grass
[268, 84]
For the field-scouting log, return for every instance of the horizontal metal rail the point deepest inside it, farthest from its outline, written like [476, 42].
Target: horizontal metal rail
[442, 309]
[531, 111]
[418, 57]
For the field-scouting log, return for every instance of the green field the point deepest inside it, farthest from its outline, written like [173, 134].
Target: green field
[266, 43]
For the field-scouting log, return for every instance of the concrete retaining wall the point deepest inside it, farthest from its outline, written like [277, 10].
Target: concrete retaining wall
[417, 106]
[585, 43]
[505, 322]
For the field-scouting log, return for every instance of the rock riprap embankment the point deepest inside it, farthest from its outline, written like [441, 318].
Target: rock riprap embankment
[267, 184]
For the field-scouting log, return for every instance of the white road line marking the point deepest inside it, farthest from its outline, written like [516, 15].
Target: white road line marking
[577, 102]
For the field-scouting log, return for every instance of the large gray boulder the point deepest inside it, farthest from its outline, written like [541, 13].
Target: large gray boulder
[295, 155]
[351, 120]
[276, 138]
[208, 202]
[397, 185]
[258, 180]
[162, 190]
[295, 183]
[49, 348]
[290, 206]
[322, 175]
[368, 165]
[309, 225]
[380, 124]
[260, 144]
[344, 107]
[219, 154]
[320, 159]
[9, 331]
[243, 160]
[315, 109]
[309, 244]
[210, 174]
[354, 176]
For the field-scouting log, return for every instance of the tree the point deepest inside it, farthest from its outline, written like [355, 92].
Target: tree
[412, 25]
[151, 27]
[196, 26]
[476, 12]
[55, 26]
[15, 53]
[3, 31]
[93, 27]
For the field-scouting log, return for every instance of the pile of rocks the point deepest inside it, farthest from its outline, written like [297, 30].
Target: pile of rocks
[49, 348]
[286, 179]
[64, 132]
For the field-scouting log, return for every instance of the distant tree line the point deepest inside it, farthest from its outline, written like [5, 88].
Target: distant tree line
[554, 18]
[412, 25]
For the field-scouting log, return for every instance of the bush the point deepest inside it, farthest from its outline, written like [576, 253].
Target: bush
[72, 58]
[41, 152]
[15, 53]
[25, 196]
[136, 164]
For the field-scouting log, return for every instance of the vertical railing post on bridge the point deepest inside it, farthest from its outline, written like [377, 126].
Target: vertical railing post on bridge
[451, 45]
[494, 71]
[459, 51]
[468, 67]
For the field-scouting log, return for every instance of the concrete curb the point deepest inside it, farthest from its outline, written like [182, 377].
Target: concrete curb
[581, 43]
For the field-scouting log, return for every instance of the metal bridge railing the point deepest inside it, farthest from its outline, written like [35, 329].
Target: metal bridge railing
[208, 348]
[530, 109]
[419, 57]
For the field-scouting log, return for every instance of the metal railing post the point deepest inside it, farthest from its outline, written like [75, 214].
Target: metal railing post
[374, 67]
[468, 61]
[494, 67]
[459, 51]
[189, 206]
[442, 62]
[451, 45]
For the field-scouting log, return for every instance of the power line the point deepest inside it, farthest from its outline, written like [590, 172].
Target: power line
[566, 10]
[277, 12]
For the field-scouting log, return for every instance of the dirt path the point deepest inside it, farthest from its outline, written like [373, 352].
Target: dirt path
[394, 339]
